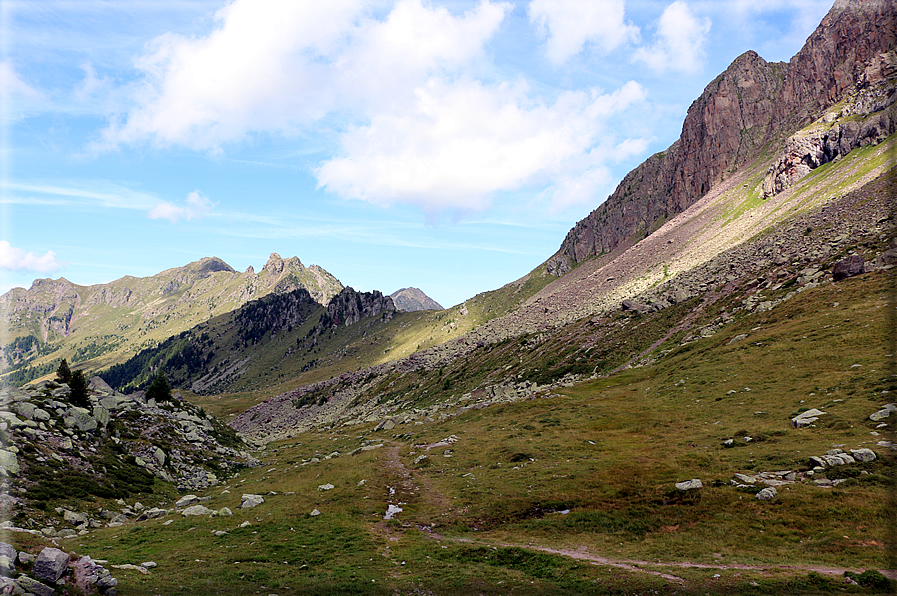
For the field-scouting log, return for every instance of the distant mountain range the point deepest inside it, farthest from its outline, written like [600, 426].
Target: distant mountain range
[99, 325]
[764, 146]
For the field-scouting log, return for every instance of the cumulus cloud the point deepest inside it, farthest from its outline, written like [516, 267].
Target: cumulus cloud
[679, 43]
[420, 130]
[275, 66]
[568, 25]
[196, 206]
[16, 259]
[464, 141]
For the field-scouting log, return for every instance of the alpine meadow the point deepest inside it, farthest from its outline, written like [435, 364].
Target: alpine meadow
[694, 394]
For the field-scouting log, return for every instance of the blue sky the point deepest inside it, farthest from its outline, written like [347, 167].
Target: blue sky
[444, 145]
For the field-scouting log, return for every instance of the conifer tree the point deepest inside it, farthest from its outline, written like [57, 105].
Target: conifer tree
[64, 373]
[78, 385]
[159, 389]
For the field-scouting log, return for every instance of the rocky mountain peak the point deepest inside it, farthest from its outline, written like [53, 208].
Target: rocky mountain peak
[210, 265]
[753, 104]
[413, 299]
[276, 264]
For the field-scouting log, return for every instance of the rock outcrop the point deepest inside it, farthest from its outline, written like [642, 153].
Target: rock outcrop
[866, 117]
[752, 104]
[116, 448]
[348, 307]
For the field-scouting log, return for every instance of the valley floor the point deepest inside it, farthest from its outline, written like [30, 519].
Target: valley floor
[575, 493]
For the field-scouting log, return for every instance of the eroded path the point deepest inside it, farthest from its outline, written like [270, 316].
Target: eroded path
[412, 484]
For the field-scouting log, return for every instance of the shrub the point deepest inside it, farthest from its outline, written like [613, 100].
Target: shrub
[870, 579]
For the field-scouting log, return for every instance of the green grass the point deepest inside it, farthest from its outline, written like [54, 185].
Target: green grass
[608, 450]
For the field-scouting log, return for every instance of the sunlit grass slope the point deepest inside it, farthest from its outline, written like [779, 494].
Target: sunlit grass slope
[588, 471]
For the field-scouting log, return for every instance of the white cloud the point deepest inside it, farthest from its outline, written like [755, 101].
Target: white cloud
[464, 141]
[12, 86]
[568, 25]
[278, 65]
[16, 259]
[196, 207]
[421, 131]
[680, 41]
[96, 193]
[92, 85]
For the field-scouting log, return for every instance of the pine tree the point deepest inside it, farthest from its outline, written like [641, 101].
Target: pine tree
[159, 389]
[78, 385]
[64, 373]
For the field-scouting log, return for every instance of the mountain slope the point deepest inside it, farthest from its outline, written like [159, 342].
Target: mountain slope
[275, 337]
[743, 113]
[719, 246]
[94, 326]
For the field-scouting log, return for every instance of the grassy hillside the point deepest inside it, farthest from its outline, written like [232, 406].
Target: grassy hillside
[574, 493]
[94, 327]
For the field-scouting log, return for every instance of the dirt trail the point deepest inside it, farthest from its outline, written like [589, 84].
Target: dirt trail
[635, 565]
[412, 483]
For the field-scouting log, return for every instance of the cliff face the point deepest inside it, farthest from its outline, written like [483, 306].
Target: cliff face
[751, 104]
[348, 307]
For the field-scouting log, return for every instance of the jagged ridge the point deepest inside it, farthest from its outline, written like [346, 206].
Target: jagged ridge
[748, 107]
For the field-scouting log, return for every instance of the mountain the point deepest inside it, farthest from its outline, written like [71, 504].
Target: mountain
[682, 414]
[692, 240]
[94, 326]
[746, 111]
[276, 337]
[413, 299]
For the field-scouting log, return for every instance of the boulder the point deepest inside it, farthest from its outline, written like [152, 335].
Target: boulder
[767, 494]
[7, 559]
[326, 487]
[863, 455]
[806, 418]
[634, 306]
[694, 483]
[99, 385]
[40, 415]
[196, 510]
[71, 517]
[80, 419]
[186, 501]
[101, 415]
[849, 267]
[32, 586]
[50, 564]
[883, 413]
[225, 511]
[248, 501]
[111, 403]
[25, 409]
[9, 463]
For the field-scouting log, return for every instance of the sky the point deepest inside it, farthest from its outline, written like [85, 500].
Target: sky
[447, 145]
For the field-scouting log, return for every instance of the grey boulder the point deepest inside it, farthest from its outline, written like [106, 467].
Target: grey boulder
[50, 564]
